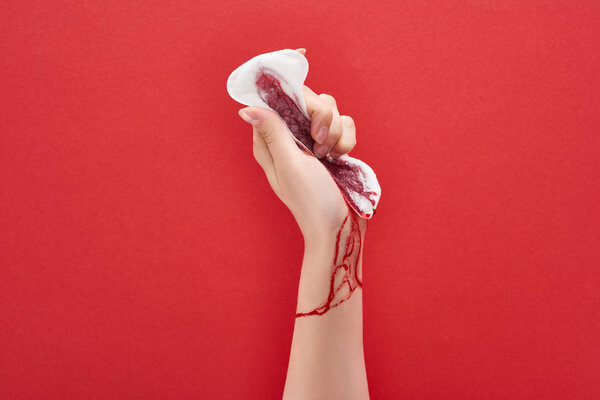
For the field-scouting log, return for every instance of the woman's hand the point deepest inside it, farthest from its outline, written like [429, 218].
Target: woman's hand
[326, 359]
[298, 178]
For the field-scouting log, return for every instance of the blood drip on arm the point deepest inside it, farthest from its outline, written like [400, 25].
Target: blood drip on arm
[345, 276]
[275, 81]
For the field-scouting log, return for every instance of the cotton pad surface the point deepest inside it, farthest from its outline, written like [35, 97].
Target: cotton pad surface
[275, 81]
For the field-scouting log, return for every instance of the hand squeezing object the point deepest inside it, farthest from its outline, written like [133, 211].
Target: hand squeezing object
[275, 81]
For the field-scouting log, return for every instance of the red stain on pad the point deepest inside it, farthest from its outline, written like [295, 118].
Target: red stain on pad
[275, 81]
[269, 89]
[348, 176]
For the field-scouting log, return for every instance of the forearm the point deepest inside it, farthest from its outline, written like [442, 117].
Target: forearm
[302, 144]
[327, 359]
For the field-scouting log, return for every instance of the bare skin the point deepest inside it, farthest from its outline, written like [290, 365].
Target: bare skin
[326, 358]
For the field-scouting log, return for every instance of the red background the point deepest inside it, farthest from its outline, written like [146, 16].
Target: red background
[143, 255]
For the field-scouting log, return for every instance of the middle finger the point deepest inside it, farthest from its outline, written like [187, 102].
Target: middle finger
[326, 126]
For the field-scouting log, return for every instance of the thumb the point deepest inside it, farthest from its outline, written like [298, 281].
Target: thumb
[272, 129]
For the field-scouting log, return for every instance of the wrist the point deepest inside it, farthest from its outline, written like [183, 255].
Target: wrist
[319, 240]
[332, 266]
[321, 235]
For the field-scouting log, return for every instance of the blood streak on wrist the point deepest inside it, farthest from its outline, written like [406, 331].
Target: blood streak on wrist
[345, 276]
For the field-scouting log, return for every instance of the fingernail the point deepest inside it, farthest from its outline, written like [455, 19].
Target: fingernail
[322, 135]
[248, 116]
[320, 150]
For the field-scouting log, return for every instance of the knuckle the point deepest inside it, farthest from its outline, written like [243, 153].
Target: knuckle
[352, 144]
[307, 90]
[345, 147]
[328, 99]
[348, 119]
